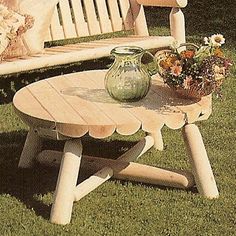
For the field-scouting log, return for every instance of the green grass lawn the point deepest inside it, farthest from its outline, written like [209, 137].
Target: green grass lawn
[125, 208]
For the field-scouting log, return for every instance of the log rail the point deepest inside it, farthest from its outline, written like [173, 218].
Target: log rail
[164, 3]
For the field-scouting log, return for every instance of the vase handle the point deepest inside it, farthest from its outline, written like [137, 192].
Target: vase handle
[151, 66]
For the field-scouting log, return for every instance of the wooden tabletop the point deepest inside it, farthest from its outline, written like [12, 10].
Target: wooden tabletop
[76, 104]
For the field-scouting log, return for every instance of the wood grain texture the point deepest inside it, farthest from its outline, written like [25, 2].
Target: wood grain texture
[199, 161]
[93, 23]
[66, 17]
[95, 93]
[129, 170]
[66, 182]
[116, 19]
[32, 146]
[86, 109]
[140, 24]
[126, 14]
[80, 23]
[85, 51]
[32, 113]
[78, 103]
[79, 18]
[55, 27]
[104, 20]
[177, 25]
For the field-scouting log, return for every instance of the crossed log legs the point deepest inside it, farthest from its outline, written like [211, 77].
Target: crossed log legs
[67, 190]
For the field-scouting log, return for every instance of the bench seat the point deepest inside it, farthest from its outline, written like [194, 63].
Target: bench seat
[75, 19]
[71, 53]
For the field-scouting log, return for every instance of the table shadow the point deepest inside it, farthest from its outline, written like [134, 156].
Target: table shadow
[92, 95]
[166, 98]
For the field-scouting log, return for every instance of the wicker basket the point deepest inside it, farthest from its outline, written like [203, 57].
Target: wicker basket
[196, 91]
[192, 93]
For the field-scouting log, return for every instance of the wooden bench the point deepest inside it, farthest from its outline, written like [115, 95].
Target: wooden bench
[76, 18]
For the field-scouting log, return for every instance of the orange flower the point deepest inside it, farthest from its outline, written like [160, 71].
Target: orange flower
[218, 52]
[172, 59]
[176, 69]
[187, 54]
[168, 62]
[164, 65]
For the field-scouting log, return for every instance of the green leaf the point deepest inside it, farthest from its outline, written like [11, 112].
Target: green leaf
[202, 53]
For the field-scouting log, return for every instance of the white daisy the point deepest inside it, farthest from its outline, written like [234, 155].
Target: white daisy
[217, 40]
[206, 40]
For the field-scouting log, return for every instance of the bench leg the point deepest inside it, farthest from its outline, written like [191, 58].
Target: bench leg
[64, 195]
[158, 140]
[32, 146]
[200, 164]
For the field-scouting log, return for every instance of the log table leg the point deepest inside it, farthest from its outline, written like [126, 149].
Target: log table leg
[66, 183]
[138, 150]
[158, 140]
[201, 167]
[32, 147]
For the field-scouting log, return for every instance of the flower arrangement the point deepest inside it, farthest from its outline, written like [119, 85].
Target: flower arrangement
[195, 71]
[12, 25]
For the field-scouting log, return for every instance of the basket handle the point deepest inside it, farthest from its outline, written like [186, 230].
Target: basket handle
[193, 45]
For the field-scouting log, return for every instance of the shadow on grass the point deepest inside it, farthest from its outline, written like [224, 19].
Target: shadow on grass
[10, 84]
[28, 184]
[23, 183]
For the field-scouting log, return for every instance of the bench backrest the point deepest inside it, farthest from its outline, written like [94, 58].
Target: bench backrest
[79, 18]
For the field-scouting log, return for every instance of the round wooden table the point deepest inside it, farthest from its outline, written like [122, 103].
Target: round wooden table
[70, 106]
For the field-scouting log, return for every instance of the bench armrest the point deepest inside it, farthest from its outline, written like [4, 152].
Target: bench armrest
[164, 3]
